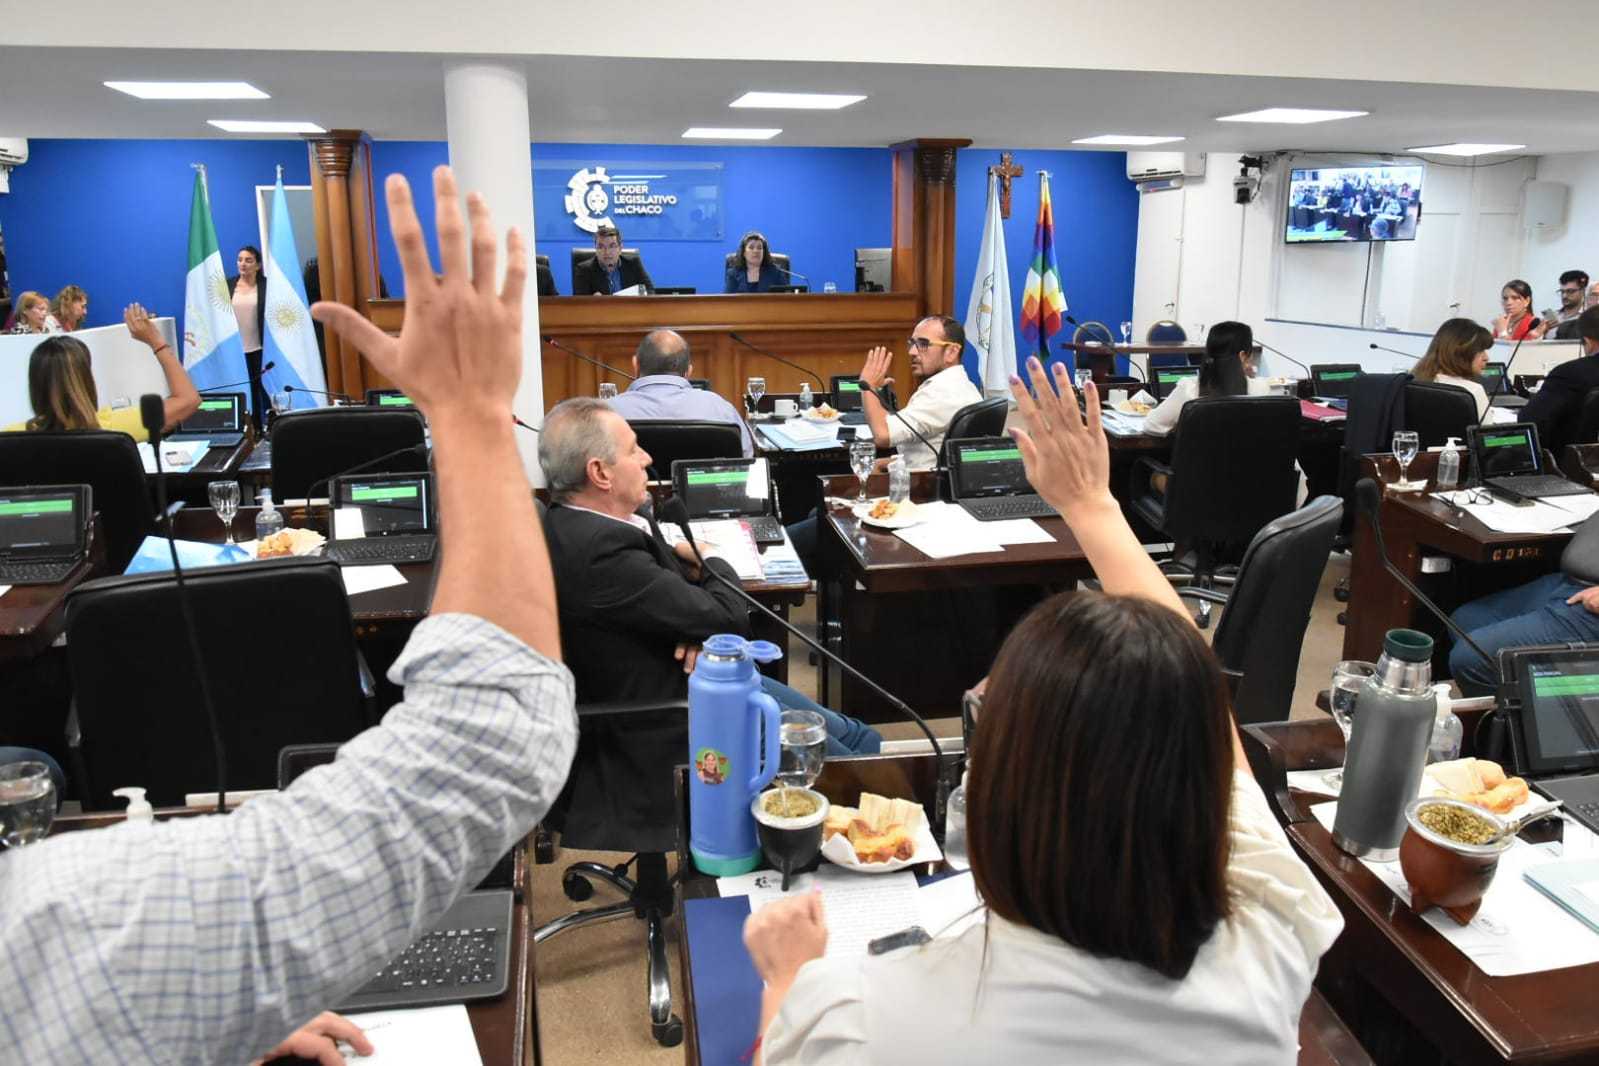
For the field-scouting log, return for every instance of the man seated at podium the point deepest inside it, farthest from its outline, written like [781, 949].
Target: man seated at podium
[608, 273]
[664, 365]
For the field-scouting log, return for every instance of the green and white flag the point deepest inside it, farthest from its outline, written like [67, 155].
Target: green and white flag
[212, 351]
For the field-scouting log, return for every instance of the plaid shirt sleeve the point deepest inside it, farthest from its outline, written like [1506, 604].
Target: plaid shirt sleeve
[209, 939]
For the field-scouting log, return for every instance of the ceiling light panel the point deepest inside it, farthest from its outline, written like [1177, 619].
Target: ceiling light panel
[1294, 116]
[232, 125]
[1467, 149]
[728, 133]
[1131, 140]
[189, 90]
[798, 101]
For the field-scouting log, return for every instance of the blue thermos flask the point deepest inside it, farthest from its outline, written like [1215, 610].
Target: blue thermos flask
[734, 730]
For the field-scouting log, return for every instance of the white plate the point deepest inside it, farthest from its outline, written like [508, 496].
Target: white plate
[839, 851]
[810, 414]
[908, 515]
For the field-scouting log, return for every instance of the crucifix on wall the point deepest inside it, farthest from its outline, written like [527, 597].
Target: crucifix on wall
[1006, 170]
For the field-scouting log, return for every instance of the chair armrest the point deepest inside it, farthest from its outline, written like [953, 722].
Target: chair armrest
[1209, 595]
[1144, 468]
[173, 508]
[628, 707]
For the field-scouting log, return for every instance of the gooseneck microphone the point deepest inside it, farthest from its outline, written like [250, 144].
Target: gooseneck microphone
[1285, 355]
[319, 392]
[1505, 377]
[676, 512]
[524, 425]
[409, 449]
[791, 273]
[590, 360]
[152, 412]
[780, 359]
[237, 384]
[1394, 351]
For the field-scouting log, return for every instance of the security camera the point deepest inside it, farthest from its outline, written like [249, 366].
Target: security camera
[1243, 189]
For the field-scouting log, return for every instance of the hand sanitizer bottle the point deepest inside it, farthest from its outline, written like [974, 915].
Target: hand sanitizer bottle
[270, 520]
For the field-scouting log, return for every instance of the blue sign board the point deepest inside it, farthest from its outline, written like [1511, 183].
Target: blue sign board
[647, 201]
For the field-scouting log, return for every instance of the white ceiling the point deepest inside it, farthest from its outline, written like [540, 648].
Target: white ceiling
[57, 92]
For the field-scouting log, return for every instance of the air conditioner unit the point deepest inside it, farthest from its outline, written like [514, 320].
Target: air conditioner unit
[1161, 166]
[13, 151]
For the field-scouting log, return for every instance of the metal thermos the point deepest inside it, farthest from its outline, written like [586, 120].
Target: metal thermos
[1387, 750]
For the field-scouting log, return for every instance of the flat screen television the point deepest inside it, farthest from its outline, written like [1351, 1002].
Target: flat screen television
[1336, 205]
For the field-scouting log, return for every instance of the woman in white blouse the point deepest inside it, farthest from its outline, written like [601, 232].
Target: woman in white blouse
[1226, 369]
[1457, 356]
[1142, 903]
[248, 291]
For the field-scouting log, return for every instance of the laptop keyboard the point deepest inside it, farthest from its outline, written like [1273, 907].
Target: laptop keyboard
[442, 960]
[1003, 507]
[1537, 485]
[381, 550]
[41, 573]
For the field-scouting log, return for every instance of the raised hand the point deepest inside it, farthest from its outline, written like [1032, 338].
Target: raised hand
[1067, 459]
[875, 372]
[137, 319]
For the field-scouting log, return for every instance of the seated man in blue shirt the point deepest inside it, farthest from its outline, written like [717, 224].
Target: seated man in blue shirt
[664, 364]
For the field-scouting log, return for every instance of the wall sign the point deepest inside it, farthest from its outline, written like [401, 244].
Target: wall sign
[647, 201]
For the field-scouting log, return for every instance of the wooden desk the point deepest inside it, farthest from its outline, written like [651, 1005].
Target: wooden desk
[1101, 358]
[33, 616]
[1406, 991]
[506, 1028]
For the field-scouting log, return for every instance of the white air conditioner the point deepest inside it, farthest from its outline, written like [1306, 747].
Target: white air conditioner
[1162, 166]
[13, 151]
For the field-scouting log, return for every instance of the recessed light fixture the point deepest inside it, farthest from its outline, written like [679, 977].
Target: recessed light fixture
[1298, 116]
[728, 133]
[798, 101]
[1466, 149]
[1135, 140]
[239, 125]
[189, 90]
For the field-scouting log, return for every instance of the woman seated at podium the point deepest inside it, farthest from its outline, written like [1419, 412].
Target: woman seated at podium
[63, 394]
[1143, 905]
[1226, 369]
[754, 271]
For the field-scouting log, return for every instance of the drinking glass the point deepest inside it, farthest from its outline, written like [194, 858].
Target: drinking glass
[828, 286]
[225, 501]
[1406, 444]
[862, 457]
[755, 388]
[282, 402]
[607, 390]
[1081, 378]
[1348, 679]
[27, 803]
[1127, 333]
[804, 746]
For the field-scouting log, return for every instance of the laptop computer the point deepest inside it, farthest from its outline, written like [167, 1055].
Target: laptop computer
[1550, 698]
[1332, 381]
[714, 489]
[44, 532]
[388, 398]
[1163, 379]
[1509, 461]
[382, 518]
[988, 482]
[846, 390]
[219, 420]
[1498, 388]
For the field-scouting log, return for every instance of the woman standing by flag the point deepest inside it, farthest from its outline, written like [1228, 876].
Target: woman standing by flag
[247, 289]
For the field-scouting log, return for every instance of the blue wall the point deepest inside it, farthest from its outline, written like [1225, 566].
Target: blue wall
[1096, 232]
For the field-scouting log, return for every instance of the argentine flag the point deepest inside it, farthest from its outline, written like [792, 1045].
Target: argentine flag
[290, 340]
[212, 351]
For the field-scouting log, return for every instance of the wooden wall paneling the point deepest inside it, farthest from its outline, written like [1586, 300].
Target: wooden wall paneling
[363, 242]
[332, 366]
[333, 158]
[924, 219]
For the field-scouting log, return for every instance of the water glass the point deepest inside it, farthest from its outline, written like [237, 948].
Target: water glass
[27, 803]
[1407, 442]
[282, 402]
[755, 388]
[225, 501]
[828, 286]
[1127, 333]
[862, 457]
[607, 390]
[804, 747]
[1348, 681]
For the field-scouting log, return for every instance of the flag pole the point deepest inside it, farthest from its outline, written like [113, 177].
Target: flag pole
[205, 183]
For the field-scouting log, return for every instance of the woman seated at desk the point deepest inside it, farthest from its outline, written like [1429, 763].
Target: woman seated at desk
[1143, 904]
[754, 271]
[62, 391]
[1226, 369]
[1457, 356]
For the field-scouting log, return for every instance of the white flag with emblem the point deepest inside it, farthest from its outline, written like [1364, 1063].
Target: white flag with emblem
[988, 317]
[212, 351]
[290, 341]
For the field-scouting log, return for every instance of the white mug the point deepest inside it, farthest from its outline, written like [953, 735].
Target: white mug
[785, 408]
[1118, 396]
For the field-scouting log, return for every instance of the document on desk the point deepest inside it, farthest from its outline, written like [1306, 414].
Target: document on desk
[798, 435]
[359, 579]
[1540, 516]
[781, 563]
[947, 530]
[731, 541]
[860, 907]
[177, 456]
[425, 1036]
[1121, 424]
[1519, 929]
[4, 589]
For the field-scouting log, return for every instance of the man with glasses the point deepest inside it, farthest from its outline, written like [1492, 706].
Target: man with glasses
[1573, 299]
[942, 388]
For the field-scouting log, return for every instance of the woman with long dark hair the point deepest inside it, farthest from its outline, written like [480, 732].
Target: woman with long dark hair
[1517, 322]
[1226, 369]
[1143, 905]
[754, 271]
[247, 288]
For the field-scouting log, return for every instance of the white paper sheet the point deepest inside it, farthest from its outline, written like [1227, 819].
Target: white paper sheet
[859, 907]
[359, 579]
[4, 589]
[805, 431]
[1018, 531]
[950, 906]
[425, 1036]
[946, 531]
[730, 540]
[1542, 516]
[177, 457]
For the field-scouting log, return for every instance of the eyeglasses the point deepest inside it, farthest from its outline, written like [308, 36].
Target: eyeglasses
[1570, 290]
[921, 344]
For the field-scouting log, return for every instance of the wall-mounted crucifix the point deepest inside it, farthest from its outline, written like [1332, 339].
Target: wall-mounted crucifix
[1006, 170]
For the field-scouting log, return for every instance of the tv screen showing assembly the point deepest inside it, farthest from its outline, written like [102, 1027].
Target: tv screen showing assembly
[1333, 205]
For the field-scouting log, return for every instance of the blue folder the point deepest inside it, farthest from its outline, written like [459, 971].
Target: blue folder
[154, 555]
[727, 990]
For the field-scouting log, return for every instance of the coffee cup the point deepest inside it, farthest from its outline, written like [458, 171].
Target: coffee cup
[791, 843]
[785, 408]
[1117, 396]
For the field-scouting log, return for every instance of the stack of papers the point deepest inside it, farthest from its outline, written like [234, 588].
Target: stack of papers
[800, 435]
[177, 456]
[423, 1036]
[1542, 516]
[728, 539]
[1120, 424]
[781, 564]
[947, 530]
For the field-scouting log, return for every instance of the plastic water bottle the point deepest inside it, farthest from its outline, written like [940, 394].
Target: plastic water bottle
[1387, 748]
[955, 828]
[899, 480]
[1449, 464]
[734, 750]
[270, 520]
[1447, 729]
[806, 400]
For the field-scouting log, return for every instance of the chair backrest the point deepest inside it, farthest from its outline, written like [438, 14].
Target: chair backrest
[1165, 332]
[1263, 626]
[1587, 423]
[667, 440]
[1437, 411]
[1232, 468]
[779, 260]
[1093, 331]
[542, 260]
[107, 462]
[278, 648]
[308, 446]
[985, 418]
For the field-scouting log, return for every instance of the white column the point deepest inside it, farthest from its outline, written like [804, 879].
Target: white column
[491, 151]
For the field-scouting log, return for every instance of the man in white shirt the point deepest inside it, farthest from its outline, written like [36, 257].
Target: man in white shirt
[942, 389]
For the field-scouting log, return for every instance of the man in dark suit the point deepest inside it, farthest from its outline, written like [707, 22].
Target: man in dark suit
[633, 612]
[1558, 402]
[608, 272]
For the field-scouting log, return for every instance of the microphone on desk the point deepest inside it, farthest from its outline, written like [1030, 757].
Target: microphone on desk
[791, 273]
[152, 412]
[1285, 355]
[1394, 351]
[237, 384]
[319, 392]
[409, 449]
[575, 354]
[780, 359]
[675, 511]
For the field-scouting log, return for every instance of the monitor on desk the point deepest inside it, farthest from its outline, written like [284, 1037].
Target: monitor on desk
[1163, 379]
[981, 467]
[846, 389]
[1493, 379]
[1554, 709]
[874, 269]
[1504, 450]
[723, 488]
[1334, 380]
[388, 398]
[44, 522]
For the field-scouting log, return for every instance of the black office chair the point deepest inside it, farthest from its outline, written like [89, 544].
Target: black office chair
[779, 259]
[701, 383]
[985, 418]
[648, 892]
[583, 255]
[1093, 332]
[667, 440]
[1232, 471]
[542, 260]
[107, 462]
[308, 446]
[278, 647]
[1263, 623]
[1586, 425]
[1166, 332]
[1437, 411]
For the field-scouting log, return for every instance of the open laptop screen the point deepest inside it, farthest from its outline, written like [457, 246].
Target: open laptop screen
[722, 488]
[42, 522]
[847, 394]
[388, 398]
[221, 413]
[1334, 381]
[1560, 710]
[389, 503]
[989, 466]
[1493, 378]
[1505, 450]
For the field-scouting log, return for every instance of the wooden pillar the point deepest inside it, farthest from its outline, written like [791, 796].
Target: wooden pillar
[341, 189]
[924, 221]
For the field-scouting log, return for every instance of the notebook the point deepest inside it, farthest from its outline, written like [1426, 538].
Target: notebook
[718, 489]
[847, 399]
[382, 518]
[1550, 697]
[989, 482]
[1509, 460]
[44, 532]
[1166, 378]
[1333, 380]
[219, 420]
